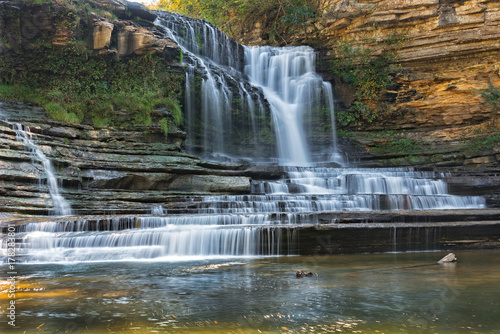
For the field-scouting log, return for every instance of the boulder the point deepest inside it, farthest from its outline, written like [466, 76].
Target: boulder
[117, 7]
[448, 259]
[301, 273]
[138, 41]
[135, 10]
[101, 34]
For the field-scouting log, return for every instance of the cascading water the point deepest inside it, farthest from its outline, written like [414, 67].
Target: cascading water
[289, 82]
[238, 84]
[60, 206]
[264, 222]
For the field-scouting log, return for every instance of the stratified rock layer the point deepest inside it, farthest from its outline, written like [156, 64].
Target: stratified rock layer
[103, 170]
[448, 51]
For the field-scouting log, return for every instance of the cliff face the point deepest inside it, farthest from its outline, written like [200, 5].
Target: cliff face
[107, 26]
[448, 51]
[134, 161]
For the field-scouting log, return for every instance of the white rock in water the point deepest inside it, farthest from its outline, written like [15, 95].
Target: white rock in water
[448, 258]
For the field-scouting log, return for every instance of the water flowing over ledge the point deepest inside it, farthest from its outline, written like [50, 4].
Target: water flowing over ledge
[250, 82]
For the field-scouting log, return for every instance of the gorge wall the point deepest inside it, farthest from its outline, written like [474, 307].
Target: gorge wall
[447, 53]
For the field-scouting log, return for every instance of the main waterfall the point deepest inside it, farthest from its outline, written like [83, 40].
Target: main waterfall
[289, 82]
[241, 85]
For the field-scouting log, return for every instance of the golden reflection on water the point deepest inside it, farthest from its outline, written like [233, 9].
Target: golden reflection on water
[383, 293]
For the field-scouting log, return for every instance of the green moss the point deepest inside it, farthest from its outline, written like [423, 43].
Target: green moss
[483, 141]
[59, 113]
[75, 85]
[397, 145]
[491, 97]
[164, 126]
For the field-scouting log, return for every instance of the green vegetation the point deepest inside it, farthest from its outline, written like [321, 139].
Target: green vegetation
[483, 140]
[491, 97]
[397, 145]
[369, 75]
[76, 86]
[280, 18]
[82, 7]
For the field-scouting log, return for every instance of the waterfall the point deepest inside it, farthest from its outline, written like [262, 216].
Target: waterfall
[263, 223]
[289, 82]
[237, 86]
[233, 95]
[60, 206]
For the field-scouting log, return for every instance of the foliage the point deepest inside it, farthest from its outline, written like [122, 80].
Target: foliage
[280, 17]
[76, 86]
[482, 140]
[491, 97]
[368, 74]
[397, 145]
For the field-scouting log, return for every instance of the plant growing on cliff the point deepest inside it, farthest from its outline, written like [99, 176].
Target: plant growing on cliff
[278, 17]
[77, 86]
[491, 97]
[369, 74]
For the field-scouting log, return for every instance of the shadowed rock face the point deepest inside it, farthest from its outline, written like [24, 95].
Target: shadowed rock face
[106, 170]
[23, 24]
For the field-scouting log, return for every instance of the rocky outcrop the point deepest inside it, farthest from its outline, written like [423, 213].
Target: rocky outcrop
[26, 26]
[101, 34]
[447, 50]
[125, 170]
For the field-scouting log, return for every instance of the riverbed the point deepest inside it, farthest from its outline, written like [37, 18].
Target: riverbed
[367, 293]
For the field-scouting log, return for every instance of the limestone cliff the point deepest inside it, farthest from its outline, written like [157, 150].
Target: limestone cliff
[449, 51]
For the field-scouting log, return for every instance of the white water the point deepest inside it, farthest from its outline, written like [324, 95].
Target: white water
[286, 77]
[239, 225]
[60, 206]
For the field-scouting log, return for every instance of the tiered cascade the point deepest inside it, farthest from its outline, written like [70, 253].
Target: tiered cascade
[249, 99]
[246, 225]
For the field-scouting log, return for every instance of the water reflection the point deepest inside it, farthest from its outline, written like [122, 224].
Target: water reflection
[389, 293]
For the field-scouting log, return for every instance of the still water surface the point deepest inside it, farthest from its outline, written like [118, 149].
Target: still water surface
[376, 293]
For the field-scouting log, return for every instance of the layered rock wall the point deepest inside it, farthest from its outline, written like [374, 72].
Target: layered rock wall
[119, 30]
[448, 51]
[109, 170]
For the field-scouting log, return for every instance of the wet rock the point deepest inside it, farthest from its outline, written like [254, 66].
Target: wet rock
[301, 274]
[448, 259]
[120, 170]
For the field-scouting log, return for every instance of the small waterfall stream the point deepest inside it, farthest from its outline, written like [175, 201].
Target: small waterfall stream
[221, 76]
[60, 206]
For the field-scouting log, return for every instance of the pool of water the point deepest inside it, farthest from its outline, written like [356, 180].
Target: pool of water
[375, 293]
